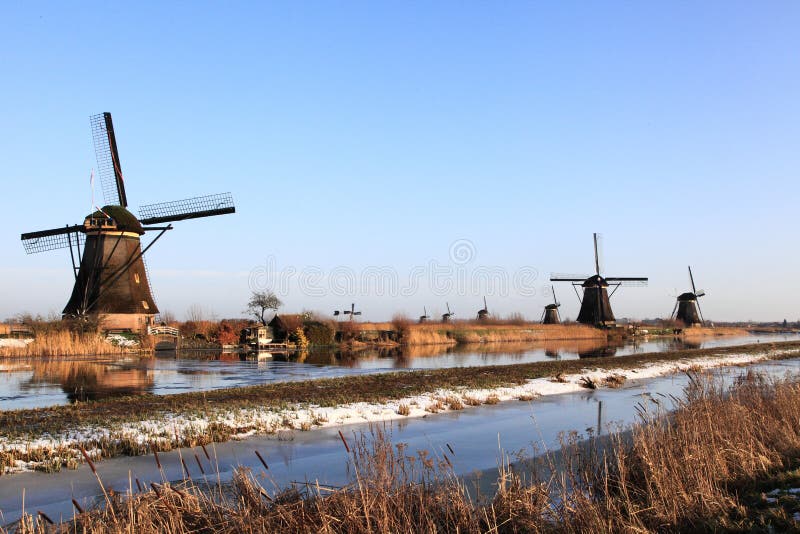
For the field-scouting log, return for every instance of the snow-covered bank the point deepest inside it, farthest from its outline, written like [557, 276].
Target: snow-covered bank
[46, 452]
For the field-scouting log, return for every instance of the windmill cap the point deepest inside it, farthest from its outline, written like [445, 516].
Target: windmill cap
[683, 297]
[594, 281]
[124, 219]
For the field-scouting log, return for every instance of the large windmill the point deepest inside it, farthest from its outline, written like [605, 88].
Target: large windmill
[107, 256]
[550, 314]
[596, 304]
[687, 307]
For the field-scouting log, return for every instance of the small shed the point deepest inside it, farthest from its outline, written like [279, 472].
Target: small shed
[256, 336]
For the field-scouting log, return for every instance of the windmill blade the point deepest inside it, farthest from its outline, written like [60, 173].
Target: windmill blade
[356, 313]
[189, 208]
[598, 253]
[555, 300]
[700, 293]
[335, 313]
[674, 309]
[108, 166]
[700, 312]
[629, 281]
[448, 308]
[564, 277]
[691, 279]
[57, 238]
[347, 312]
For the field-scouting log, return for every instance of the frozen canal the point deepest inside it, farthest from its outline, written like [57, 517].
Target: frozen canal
[476, 436]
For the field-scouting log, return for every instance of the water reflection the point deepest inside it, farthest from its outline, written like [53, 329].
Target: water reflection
[91, 380]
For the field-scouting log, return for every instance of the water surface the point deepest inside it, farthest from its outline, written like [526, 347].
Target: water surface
[54, 381]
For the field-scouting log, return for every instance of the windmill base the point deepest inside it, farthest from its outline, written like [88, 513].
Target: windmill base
[136, 323]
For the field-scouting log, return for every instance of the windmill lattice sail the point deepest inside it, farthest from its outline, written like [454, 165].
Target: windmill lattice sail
[109, 169]
[189, 208]
[46, 240]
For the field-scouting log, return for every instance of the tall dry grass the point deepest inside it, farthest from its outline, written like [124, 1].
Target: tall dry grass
[472, 332]
[64, 343]
[675, 472]
[704, 331]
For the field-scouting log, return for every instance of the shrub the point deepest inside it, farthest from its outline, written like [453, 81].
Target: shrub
[298, 337]
[319, 333]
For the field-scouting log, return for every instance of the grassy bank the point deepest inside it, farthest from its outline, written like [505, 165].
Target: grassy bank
[669, 474]
[137, 425]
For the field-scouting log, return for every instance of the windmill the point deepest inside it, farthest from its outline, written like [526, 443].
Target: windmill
[111, 280]
[484, 313]
[550, 314]
[351, 312]
[424, 317]
[595, 304]
[687, 307]
[447, 316]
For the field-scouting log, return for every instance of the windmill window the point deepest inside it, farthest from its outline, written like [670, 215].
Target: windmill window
[145, 305]
[136, 277]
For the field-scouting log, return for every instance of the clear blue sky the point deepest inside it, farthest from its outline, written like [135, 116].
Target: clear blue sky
[379, 133]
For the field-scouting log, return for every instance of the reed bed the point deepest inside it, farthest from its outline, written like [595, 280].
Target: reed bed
[65, 343]
[704, 331]
[480, 332]
[693, 469]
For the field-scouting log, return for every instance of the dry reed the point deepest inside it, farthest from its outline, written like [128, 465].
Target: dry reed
[64, 343]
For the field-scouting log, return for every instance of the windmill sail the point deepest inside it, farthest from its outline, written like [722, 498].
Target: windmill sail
[108, 165]
[54, 239]
[190, 208]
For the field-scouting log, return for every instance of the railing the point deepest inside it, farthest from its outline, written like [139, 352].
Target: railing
[162, 331]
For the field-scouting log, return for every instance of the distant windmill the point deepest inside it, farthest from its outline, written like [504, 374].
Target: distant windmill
[352, 311]
[447, 316]
[687, 307]
[424, 317]
[484, 313]
[595, 304]
[550, 314]
[111, 279]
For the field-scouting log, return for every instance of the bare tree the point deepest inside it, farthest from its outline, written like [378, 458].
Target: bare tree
[260, 302]
[195, 313]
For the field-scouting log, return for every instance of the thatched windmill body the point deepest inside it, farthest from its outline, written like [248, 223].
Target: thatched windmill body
[484, 313]
[447, 316]
[596, 301]
[687, 306]
[550, 314]
[111, 281]
[424, 317]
